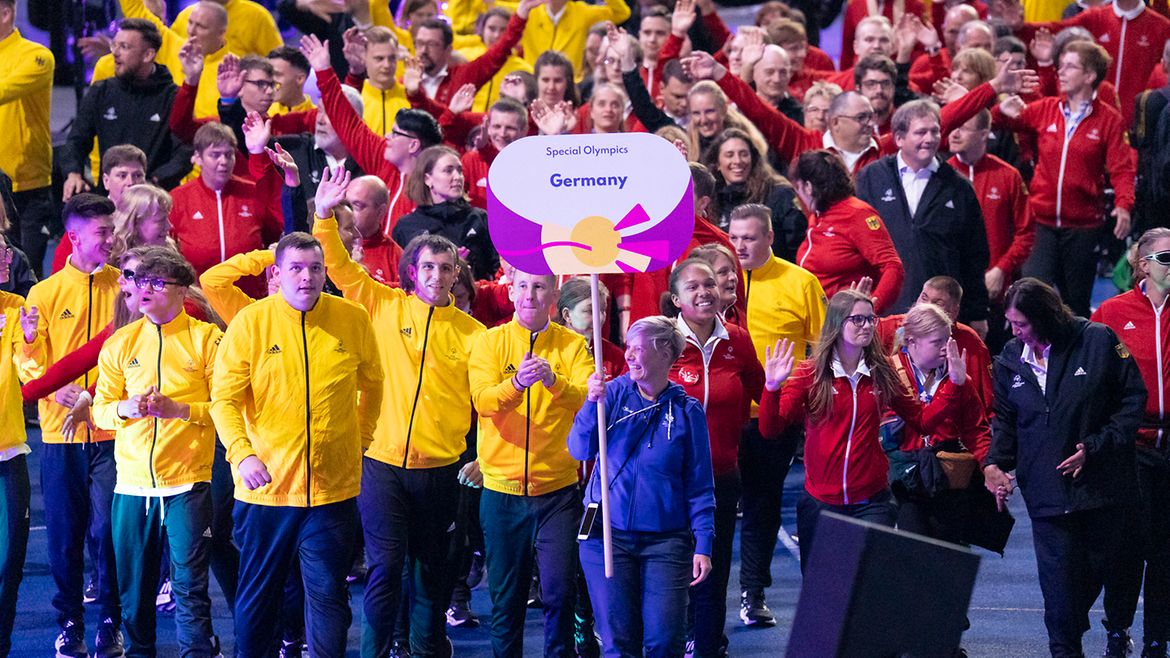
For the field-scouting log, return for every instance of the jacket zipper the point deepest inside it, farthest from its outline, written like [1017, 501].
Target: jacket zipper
[384, 131]
[308, 420]
[418, 389]
[88, 329]
[222, 238]
[528, 415]
[849, 443]
[807, 239]
[1161, 385]
[154, 438]
[1120, 53]
[1064, 158]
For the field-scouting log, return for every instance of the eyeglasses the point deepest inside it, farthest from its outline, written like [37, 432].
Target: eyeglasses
[874, 84]
[864, 117]
[860, 320]
[262, 85]
[1161, 258]
[157, 285]
[395, 131]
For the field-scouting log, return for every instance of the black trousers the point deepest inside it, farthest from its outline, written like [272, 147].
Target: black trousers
[15, 493]
[1149, 524]
[763, 465]
[1076, 553]
[1064, 258]
[709, 598]
[36, 214]
[880, 509]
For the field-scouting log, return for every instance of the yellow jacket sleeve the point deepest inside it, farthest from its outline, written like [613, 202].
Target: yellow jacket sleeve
[229, 389]
[355, 282]
[571, 390]
[219, 281]
[25, 76]
[815, 303]
[201, 411]
[614, 10]
[489, 395]
[369, 385]
[33, 357]
[111, 387]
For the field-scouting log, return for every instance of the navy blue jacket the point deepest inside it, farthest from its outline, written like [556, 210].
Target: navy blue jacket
[1094, 395]
[659, 461]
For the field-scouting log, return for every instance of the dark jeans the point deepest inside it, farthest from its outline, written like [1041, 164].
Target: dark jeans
[37, 213]
[1149, 523]
[141, 528]
[407, 514]
[225, 557]
[763, 465]
[80, 477]
[709, 598]
[1064, 258]
[14, 502]
[880, 509]
[322, 540]
[514, 527]
[639, 607]
[1076, 553]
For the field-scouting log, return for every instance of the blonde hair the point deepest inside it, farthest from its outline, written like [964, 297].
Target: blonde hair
[731, 116]
[977, 60]
[821, 88]
[672, 132]
[922, 320]
[139, 202]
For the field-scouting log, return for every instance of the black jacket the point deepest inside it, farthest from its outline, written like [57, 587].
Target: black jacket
[1095, 396]
[116, 111]
[311, 162]
[460, 223]
[946, 235]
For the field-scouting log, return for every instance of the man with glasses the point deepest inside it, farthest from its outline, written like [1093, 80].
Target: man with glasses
[1140, 320]
[391, 157]
[130, 108]
[783, 301]
[218, 215]
[932, 213]
[154, 392]
[74, 305]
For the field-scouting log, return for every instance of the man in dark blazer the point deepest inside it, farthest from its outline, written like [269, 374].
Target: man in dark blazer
[931, 212]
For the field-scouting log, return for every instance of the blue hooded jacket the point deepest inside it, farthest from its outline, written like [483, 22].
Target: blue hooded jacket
[659, 461]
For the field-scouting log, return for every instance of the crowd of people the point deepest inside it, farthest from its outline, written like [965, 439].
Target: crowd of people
[276, 343]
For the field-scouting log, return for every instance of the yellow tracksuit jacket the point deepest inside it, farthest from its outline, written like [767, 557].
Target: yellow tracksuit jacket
[251, 28]
[304, 106]
[522, 434]
[219, 281]
[490, 92]
[784, 300]
[26, 96]
[74, 307]
[12, 351]
[177, 359]
[380, 106]
[568, 34]
[304, 372]
[426, 397]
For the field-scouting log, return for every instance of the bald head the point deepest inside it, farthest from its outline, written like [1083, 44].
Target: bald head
[772, 73]
[975, 34]
[207, 25]
[956, 18]
[370, 201]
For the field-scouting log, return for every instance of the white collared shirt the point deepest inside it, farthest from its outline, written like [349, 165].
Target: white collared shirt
[849, 157]
[333, 162]
[430, 83]
[1131, 14]
[839, 370]
[914, 182]
[556, 18]
[1041, 371]
[707, 348]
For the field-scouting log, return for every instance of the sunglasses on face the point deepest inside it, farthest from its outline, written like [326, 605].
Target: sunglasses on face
[1161, 258]
[860, 320]
[157, 285]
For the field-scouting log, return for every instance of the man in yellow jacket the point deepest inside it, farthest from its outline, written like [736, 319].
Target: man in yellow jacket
[527, 383]
[563, 25]
[75, 304]
[308, 365]
[26, 151]
[154, 392]
[410, 487]
[18, 328]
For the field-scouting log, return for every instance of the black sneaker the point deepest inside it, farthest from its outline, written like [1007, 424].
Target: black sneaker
[459, 614]
[91, 591]
[475, 572]
[400, 649]
[108, 641]
[534, 593]
[1118, 644]
[753, 610]
[1154, 649]
[71, 642]
[164, 601]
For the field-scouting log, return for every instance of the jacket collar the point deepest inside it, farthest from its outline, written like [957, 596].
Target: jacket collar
[176, 325]
[1128, 15]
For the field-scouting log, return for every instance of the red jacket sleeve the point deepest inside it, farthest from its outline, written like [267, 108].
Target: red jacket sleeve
[877, 248]
[294, 123]
[1025, 233]
[787, 406]
[786, 136]
[183, 123]
[928, 69]
[716, 29]
[1119, 162]
[481, 69]
[68, 368]
[268, 187]
[924, 419]
[366, 146]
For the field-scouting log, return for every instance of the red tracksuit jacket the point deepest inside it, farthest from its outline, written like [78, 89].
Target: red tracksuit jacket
[978, 357]
[856, 10]
[1067, 188]
[847, 242]
[367, 148]
[1004, 200]
[211, 227]
[1135, 46]
[843, 458]
[481, 69]
[725, 386]
[968, 424]
[476, 163]
[1145, 330]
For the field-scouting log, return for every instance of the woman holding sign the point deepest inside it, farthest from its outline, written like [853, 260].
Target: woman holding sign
[661, 493]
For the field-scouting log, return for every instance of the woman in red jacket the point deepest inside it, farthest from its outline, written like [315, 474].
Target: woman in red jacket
[719, 368]
[846, 239]
[841, 394]
[726, 268]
